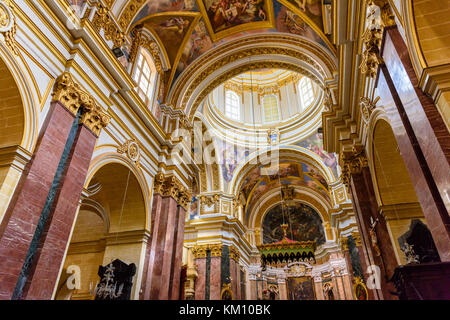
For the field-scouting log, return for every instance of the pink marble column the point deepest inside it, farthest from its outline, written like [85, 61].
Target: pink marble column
[201, 279]
[215, 278]
[168, 251]
[50, 254]
[22, 216]
[174, 292]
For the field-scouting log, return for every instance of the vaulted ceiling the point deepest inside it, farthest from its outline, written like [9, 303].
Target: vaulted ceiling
[190, 28]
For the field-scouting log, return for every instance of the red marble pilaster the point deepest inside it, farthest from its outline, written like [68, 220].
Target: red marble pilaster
[21, 218]
[421, 134]
[168, 251]
[50, 254]
[200, 282]
[215, 278]
[366, 207]
[178, 254]
[234, 283]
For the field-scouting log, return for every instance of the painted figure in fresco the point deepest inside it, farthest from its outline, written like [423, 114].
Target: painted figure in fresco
[228, 13]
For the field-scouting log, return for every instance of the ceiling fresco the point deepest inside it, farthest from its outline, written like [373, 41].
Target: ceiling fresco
[256, 185]
[220, 21]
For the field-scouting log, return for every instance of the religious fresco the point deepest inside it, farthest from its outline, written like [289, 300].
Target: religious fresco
[171, 30]
[222, 16]
[225, 20]
[311, 8]
[159, 6]
[230, 156]
[315, 144]
[304, 224]
[288, 21]
[301, 288]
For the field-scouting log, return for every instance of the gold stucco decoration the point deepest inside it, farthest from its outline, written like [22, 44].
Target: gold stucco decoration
[131, 149]
[171, 186]
[140, 40]
[354, 161]
[70, 94]
[102, 20]
[8, 26]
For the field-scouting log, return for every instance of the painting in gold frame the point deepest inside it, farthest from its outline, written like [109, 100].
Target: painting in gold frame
[226, 17]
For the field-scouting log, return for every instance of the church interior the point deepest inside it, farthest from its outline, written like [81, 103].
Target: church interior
[224, 150]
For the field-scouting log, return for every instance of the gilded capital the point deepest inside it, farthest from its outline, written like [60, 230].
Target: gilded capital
[171, 186]
[354, 161]
[234, 253]
[70, 94]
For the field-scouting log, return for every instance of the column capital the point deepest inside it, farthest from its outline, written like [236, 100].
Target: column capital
[71, 96]
[171, 186]
[353, 160]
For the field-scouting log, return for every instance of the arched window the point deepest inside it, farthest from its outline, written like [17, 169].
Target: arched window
[305, 88]
[232, 105]
[271, 112]
[145, 76]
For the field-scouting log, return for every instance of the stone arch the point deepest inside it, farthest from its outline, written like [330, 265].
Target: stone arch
[112, 223]
[285, 152]
[245, 54]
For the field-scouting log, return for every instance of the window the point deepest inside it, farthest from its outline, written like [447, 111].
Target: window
[271, 113]
[232, 105]
[306, 91]
[145, 75]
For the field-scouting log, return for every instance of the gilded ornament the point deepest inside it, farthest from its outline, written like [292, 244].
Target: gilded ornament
[140, 40]
[8, 26]
[354, 161]
[103, 20]
[70, 94]
[131, 149]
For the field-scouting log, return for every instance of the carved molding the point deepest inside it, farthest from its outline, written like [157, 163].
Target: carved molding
[367, 106]
[103, 20]
[200, 251]
[234, 253]
[142, 40]
[132, 150]
[8, 26]
[69, 93]
[170, 186]
[354, 161]
[371, 58]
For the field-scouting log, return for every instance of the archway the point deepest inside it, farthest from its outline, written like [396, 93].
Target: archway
[394, 190]
[12, 130]
[111, 224]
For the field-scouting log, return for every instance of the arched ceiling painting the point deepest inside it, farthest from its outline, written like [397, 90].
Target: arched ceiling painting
[256, 186]
[189, 28]
[304, 224]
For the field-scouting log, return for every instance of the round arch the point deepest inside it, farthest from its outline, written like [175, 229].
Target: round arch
[273, 198]
[293, 153]
[25, 108]
[266, 50]
[109, 158]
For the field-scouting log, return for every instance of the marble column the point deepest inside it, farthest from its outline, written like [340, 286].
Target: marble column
[283, 289]
[164, 265]
[22, 216]
[200, 283]
[421, 134]
[36, 227]
[50, 255]
[379, 252]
